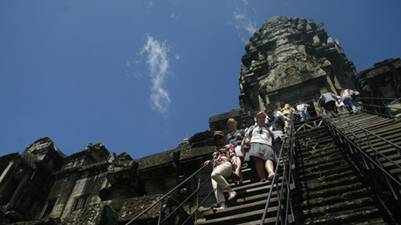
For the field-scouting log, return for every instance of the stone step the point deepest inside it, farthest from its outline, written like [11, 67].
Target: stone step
[339, 197]
[371, 139]
[322, 151]
[369, 124]
[392, 165]
[322, 161]
[313, 185]
[303, 175]
[239, 218]
[330, 191]
[383, 148]
[376, 221]
[252, 185]
[252, 198]
[271, 220]
[353, 215]
[323, 166]
[257, 205]
[338, 207]
[379, 129]
[253, 191]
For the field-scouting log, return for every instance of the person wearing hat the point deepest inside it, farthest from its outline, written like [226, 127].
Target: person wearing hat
[222, 169]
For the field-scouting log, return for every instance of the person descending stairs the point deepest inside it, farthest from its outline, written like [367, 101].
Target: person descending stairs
[248, 206]
[330, 185]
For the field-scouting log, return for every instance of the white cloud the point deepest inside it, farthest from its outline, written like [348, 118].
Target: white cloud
[243, 21]
[174, 16]
[245, 2]
[157, 60]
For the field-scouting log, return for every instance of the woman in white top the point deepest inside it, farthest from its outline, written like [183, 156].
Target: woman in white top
[261, 151]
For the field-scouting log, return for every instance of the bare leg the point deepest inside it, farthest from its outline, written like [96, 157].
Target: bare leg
[238, 169]
[260, 167]
[270, 169]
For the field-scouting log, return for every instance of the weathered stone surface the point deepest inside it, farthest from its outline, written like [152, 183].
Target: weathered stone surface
[382, 80]
[134, 206]
[200, 139]
[92, 215]
[48, 221]
[198, 151]
[380, 88]
[288, 59]
[158, 159]
[286, 53]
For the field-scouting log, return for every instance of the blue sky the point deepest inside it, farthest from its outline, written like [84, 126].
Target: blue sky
[141, 75]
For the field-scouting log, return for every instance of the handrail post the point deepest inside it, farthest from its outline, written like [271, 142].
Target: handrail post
[166, 195]
[160, 213]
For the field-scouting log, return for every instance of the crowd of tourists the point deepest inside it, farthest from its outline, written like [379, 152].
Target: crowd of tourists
[331, 102]
[260, 142]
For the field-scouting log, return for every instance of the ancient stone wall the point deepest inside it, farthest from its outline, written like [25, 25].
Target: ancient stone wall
[382, 80]
[93, 186]
[287, 60]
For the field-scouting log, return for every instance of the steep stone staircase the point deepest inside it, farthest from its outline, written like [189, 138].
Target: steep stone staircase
[374, 132]
[331, 189]
[248, 207]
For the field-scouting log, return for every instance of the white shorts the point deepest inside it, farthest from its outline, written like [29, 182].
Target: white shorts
[238, 151]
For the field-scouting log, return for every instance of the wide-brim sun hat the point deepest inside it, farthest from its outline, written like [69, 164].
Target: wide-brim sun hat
[218, 133]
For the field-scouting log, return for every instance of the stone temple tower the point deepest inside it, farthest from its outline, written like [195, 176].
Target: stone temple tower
[290, 60]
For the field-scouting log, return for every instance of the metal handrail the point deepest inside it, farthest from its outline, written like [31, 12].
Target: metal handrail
[372, 133]
[376, 98]
[377, 163]
[378, 105]
[181, 204]
[385, 185]
[166, 195]
[200, 203]
[284, 193]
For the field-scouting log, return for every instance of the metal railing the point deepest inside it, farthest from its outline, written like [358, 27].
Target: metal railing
[372, 162]
[285, 165]
[379, 106]
[190, 200]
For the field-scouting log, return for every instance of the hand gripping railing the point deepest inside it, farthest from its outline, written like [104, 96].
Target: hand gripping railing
[370, 161]
[379, 106]
[285, 164]
[163, 216]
